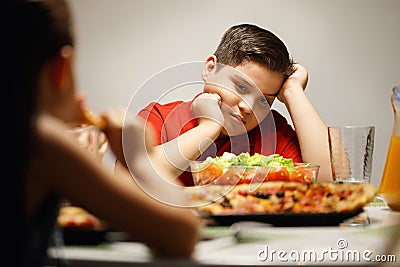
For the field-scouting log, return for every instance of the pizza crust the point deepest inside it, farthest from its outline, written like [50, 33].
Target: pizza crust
[93, 119]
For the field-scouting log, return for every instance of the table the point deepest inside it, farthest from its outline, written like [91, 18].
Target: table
[254, 244]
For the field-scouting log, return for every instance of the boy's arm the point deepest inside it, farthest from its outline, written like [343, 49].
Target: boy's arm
[311, 130]
[170, 159]
[173, 157]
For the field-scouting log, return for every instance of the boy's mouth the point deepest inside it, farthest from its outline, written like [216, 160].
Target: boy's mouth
[237, 118]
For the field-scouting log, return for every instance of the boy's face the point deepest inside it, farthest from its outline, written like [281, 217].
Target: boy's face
[247, 92]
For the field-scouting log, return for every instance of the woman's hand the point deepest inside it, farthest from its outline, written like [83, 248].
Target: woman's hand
[138, 141]
[91, 139]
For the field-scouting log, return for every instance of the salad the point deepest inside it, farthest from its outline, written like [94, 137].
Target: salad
[230, 169]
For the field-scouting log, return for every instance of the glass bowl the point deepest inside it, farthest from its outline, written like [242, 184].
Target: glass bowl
[210, 173]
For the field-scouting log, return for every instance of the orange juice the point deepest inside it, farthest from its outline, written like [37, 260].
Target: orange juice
[390, 184]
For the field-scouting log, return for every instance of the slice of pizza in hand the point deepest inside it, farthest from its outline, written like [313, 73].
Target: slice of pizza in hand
[92, 118]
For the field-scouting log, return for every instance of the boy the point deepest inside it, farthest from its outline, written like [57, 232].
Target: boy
[249, 70]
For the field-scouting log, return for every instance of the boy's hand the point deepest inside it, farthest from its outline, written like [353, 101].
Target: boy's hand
[207, 107]
[297, 81]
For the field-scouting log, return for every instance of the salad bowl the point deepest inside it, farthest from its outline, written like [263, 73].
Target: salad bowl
[231, 169]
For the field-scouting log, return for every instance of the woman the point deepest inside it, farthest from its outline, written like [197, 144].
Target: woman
[48, 164]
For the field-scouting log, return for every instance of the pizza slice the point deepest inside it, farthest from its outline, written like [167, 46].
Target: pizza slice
[92, 118]
[74, 217]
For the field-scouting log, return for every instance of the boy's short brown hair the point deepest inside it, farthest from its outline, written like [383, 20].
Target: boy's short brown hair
[245, 42]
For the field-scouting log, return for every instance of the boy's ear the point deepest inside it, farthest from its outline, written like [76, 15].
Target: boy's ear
[210, 67]
[62, 76]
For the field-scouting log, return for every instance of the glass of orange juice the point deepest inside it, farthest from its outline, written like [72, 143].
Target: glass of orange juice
[390, 183]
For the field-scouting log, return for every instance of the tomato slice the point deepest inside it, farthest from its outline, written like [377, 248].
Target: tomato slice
[208, 175]
[302, 175]
[254, 175]
[231, 177]
[278, 174]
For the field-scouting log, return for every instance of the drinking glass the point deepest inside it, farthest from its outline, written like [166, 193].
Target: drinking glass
[351, 151]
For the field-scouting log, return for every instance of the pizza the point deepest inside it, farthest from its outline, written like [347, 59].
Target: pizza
[278, 197]
[74, 217]
[92, 118]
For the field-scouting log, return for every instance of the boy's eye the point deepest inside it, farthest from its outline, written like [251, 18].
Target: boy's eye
[241, 88]
[264, 100]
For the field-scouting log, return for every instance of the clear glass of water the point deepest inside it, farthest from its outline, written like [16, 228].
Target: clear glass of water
[351, 151]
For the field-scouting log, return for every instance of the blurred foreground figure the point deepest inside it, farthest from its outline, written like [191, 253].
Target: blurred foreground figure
[46, 162]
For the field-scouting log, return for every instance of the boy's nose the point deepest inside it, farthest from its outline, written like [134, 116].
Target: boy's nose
[246, 105]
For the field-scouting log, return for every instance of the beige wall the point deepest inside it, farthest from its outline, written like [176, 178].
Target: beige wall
[350, 47]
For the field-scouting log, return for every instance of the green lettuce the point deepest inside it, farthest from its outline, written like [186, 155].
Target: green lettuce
[244, 159]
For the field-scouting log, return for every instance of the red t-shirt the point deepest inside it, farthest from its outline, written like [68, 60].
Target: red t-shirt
[272, 136]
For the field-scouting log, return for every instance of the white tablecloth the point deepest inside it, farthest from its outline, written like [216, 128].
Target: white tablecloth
[250, 244]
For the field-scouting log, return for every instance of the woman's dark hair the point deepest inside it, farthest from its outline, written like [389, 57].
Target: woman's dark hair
[32, 33]
[246, 42]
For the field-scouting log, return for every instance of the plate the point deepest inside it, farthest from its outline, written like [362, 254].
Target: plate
[286, 219]
[83, 237]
